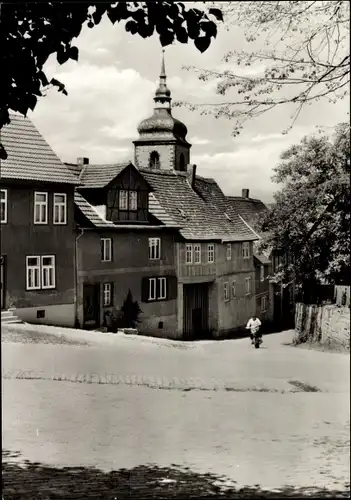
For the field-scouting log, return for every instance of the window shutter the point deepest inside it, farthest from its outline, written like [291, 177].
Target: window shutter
[172, 287]
[111, 249]
[112, 292]
[102, 249]
[145, 289]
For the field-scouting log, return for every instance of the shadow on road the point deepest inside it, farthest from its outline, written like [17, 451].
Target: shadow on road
[37, 481]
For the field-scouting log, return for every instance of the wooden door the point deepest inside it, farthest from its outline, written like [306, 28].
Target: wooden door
[196, 311]
[91, 305]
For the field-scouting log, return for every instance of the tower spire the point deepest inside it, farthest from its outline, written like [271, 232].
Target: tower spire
[163, 69]
[163, 95]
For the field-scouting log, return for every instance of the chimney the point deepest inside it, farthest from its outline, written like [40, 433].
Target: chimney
[82, 161]
[245, 193]
[191, 169]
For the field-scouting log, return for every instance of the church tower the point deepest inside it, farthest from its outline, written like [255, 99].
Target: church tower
[162, 144]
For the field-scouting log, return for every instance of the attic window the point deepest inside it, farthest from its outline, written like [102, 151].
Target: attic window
[154, 160]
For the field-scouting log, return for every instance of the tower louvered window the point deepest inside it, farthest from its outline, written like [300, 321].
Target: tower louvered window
[154, 161]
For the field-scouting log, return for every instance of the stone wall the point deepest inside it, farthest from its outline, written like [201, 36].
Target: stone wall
[327, 325]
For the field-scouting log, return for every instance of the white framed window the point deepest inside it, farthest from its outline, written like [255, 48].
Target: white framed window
[248, 285]
[107, 294]
[48, 271]
[233, 289]
[40, 208]
[162, 288]
[133, 200]
[123, 199]
[245, 250]
[60, 208]
[189, 253]
[210, 253]
[106, 249]
[262, 273]
[226, 291]
[264, 303]
[229, 251]
[152, 288]
[33, 272]
[154, 248]
[197, 253]
[3, 206]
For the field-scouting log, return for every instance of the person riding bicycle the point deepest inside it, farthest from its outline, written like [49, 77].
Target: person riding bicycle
[253, 325]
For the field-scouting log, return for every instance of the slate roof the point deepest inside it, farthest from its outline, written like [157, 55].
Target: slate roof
[159, 212]
[29, 156]
[99, 176]
[249, 208]
[263, 259]
[90, 213]
[198, 218]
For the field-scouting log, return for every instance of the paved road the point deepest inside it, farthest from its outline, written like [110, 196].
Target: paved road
[274, 416]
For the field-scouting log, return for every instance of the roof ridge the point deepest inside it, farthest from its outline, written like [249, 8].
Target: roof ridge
[240, 198]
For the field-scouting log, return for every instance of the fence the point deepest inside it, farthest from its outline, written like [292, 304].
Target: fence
[342, 295]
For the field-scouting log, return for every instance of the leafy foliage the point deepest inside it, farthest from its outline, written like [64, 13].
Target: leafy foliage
[130, 310]
[310, 219]
[296, 52]
[31, 32]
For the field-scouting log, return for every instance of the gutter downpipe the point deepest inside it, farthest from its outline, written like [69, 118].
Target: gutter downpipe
[76, 277]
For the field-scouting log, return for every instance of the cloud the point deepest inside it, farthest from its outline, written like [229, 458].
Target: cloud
[198, 140]
[110, 90]
[103, 108]
[250, 165]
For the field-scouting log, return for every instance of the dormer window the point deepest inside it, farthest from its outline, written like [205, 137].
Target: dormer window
[154, 160]
[128, 200]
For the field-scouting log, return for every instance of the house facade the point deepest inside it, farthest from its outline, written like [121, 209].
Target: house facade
[214, 252]
[123, 249]
[37, 228]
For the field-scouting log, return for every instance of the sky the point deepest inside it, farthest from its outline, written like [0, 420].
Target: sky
[111, 89]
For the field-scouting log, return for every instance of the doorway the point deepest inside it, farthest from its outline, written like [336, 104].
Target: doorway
[3, 282]
[91, 306]
[195, 321]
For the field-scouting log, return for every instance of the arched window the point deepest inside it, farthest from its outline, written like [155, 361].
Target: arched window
[154, 160]
[182, 163]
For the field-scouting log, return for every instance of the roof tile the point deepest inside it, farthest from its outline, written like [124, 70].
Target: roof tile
[98, 176]
[199, 217]
[29, 156]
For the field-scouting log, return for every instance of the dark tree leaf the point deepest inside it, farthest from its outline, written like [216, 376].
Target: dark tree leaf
[146, 30]
[202, 43]
[192, 22]
[62, 55]
[32, 102]
[73, 53]
[118, 13]
[209, 28]
[166, 38]
[217, 13]
[182, 35]
[99, 12]
[132, 27]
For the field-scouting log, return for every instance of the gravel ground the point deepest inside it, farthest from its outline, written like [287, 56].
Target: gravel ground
[289, 438]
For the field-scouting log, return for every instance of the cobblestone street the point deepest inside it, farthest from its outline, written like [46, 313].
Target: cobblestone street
[274, 417]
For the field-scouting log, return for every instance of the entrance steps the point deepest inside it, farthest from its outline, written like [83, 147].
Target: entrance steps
[8, 317]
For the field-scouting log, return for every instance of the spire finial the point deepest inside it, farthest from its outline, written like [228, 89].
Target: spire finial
[163, 70]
